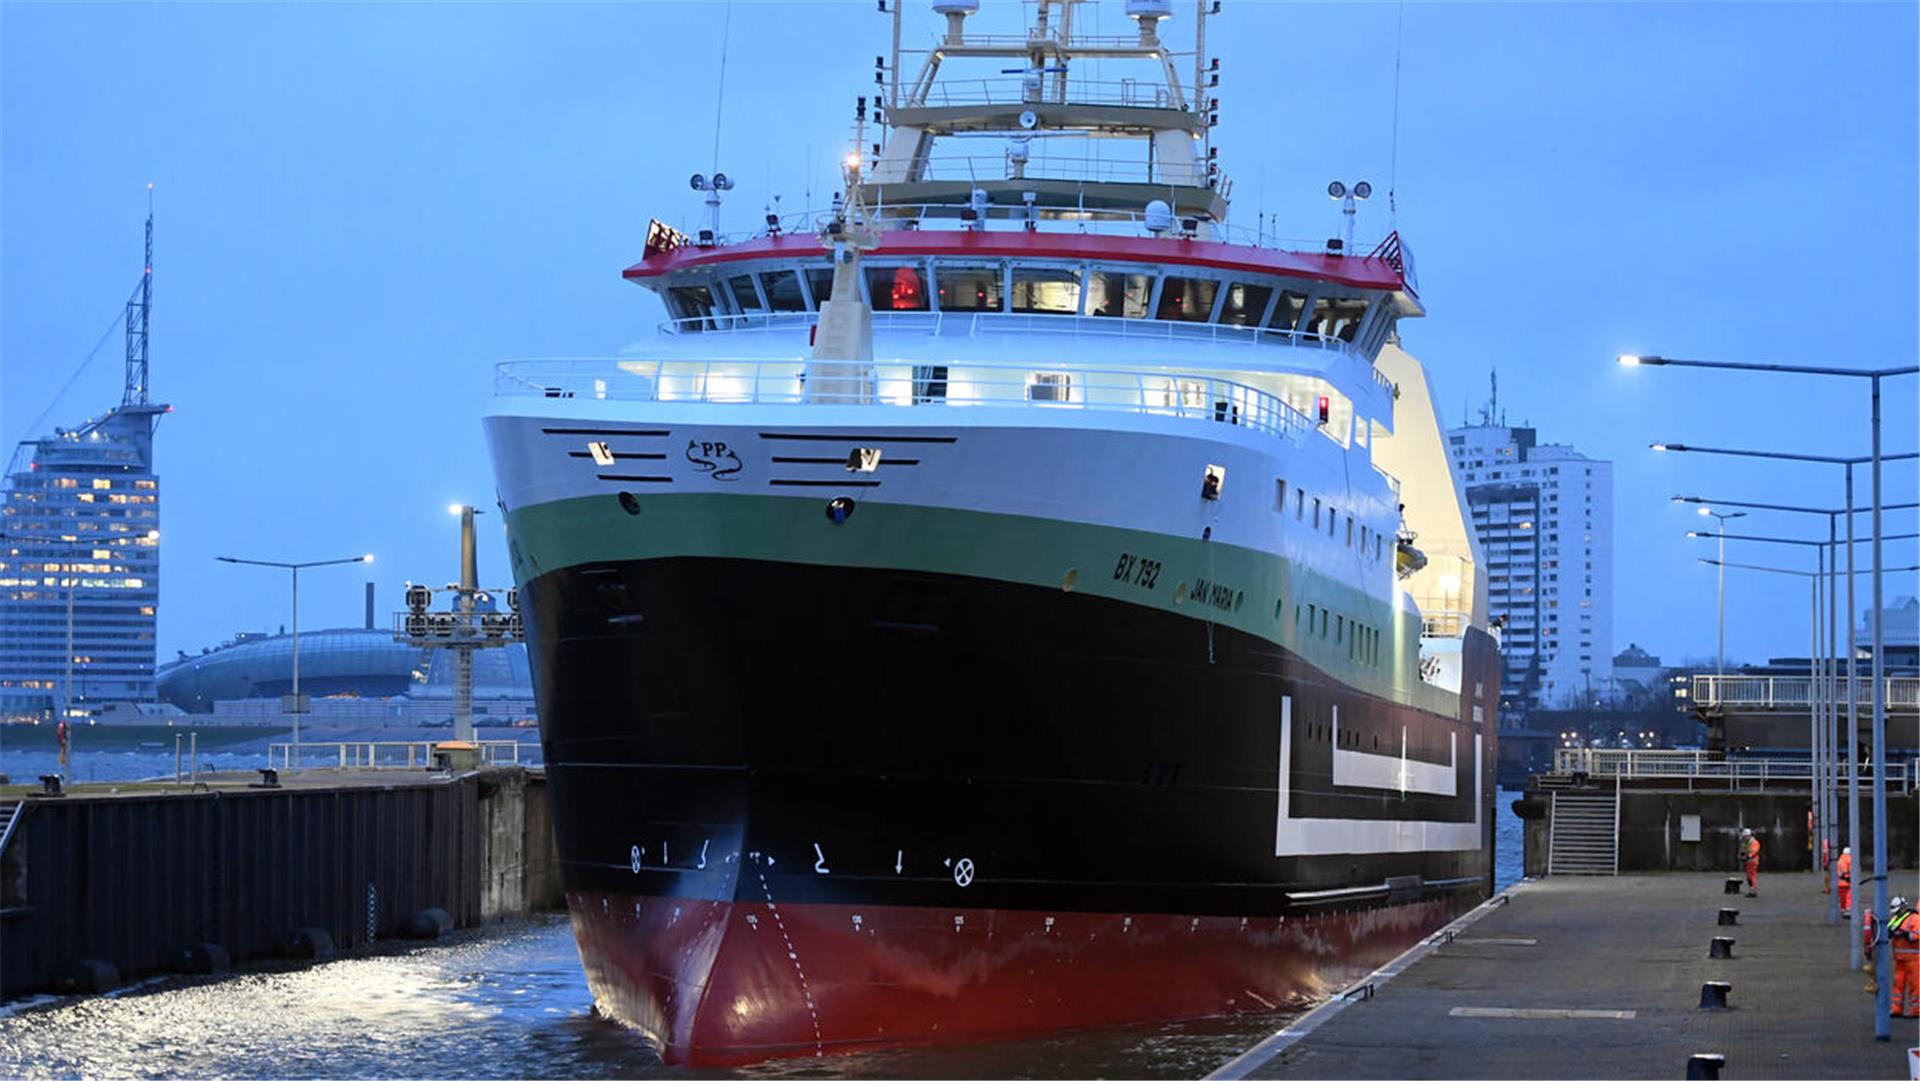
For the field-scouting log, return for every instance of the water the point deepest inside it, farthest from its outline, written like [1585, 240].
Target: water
[504, 1002]
[508, 1001]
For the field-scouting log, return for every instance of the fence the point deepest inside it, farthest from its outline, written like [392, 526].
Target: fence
[1791, 692]
[382, 754]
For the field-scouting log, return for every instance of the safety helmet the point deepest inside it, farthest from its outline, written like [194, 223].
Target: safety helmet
[1846, 850]
[1897, 902]
[1746, 833]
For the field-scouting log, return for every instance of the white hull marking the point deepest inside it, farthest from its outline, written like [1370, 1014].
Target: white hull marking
[1341, 836]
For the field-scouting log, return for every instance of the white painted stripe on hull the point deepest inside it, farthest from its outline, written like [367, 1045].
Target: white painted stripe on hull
[1341, 836]
[1361, 769]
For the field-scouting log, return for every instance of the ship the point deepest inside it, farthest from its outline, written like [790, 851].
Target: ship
[1010, 598]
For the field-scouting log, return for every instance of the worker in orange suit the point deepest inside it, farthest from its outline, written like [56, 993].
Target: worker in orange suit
[1750, 857]
[1903, 934]
[1843, 878]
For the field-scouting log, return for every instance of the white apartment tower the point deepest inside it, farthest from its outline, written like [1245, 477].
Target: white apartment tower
[1544, 516]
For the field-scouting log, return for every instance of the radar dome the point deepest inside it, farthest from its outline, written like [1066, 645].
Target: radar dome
[956, 7]
[1153, 9]
[1159, 217]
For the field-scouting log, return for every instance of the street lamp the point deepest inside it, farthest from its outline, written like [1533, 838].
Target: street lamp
[1882, 962]
[299, 705]
[1720, 640]
[1833, 674]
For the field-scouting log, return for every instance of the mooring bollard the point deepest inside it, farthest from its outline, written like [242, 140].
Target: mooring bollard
[1722, 948]
[1713, 995]
[1705, 1067]
[1729, 917]
[1733, 885]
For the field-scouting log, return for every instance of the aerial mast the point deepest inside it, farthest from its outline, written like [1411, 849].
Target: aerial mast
[139, 307]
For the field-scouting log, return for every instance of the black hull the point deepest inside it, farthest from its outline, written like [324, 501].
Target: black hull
[721, 730]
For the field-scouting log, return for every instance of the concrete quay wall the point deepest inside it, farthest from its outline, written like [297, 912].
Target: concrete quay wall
[139, 879]
[1651, 820]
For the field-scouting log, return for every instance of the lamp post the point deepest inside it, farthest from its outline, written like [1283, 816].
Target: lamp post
[1833, 675]
[299, 706]
[1882, 961]
[1720, 636]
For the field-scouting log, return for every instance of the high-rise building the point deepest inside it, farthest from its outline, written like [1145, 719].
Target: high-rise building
[80, 552]
[1544, 516]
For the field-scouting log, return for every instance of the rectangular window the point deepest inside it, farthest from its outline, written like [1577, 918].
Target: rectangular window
[1114, 293]
[783, 291]
[1337, 317]
[1280, 495]
[1046, 292]
[1349, 530]
[745, 297]
[820, 281]
[1316, 513]
[1339, 627]
[1286, 314]
[1300, 504]
[1050, 387]
[1186, 300]
[691, 302]
[1245, 304]
[968, 288]
[101, 484]
[897, 289]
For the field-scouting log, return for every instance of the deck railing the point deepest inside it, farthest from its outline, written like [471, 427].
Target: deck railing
[1711, 765]
[383, 754]
[1150, 392]
[1791, 692]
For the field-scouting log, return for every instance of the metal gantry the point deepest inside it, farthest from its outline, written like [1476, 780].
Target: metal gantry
[467, 625]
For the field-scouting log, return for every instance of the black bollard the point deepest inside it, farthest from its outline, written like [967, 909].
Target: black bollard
[1722, 948]
[1705, 1067]
[1729, 917]
[1713, 995]
[309, 944]
[1733, 885]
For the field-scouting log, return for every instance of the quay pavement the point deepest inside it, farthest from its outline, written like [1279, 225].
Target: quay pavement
[1601, 978]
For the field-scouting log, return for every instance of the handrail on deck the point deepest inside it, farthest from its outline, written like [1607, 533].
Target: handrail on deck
[1712, 765]
[1190, 395]
[1791, 692]
[414, 754]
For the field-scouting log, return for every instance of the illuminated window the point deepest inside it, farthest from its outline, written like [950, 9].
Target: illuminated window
[897, 289]
[1245, 304]
[144, 484]
[101, 484]
[1187, 300]
[1116, 293]
[968, 288]
[1049, 292]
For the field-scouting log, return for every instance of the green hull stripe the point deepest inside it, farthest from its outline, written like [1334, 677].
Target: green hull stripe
[1232, 586]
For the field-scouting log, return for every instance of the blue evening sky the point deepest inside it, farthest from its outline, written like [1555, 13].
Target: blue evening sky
[363, 207]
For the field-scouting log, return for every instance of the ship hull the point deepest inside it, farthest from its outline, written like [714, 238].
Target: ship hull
[804, 809]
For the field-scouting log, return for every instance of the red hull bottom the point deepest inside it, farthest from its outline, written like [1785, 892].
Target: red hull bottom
[716, 983]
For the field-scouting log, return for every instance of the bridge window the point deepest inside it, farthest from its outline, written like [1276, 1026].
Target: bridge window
[820, 282]
[897, 289]
[1337, 317]
[783, 291]
[1187, 300]
[691, 302]
[745, 297]
[1286, 313]
[1115, 293]
[1245, 304]
[1053, 292]
[969, 289]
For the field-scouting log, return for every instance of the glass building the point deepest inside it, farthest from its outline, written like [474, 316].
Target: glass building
[80, 565]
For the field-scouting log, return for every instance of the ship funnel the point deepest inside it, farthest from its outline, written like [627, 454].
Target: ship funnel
[1149, 13]
[956, 12]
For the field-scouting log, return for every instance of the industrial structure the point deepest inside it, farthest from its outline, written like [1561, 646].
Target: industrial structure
[1544, 516]
[80, 550]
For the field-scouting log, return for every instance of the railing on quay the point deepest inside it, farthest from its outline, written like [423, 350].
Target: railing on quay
[383, 754]
[1711, 765]
[1791, 692]
[733, 381]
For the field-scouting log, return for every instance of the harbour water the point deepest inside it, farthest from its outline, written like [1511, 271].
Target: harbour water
[508, 1001]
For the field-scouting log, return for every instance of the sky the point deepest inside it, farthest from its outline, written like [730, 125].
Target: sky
[361, 208]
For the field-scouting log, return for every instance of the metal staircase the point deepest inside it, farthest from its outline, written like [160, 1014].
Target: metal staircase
[9, 816]
[1583, 834]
